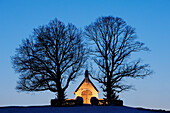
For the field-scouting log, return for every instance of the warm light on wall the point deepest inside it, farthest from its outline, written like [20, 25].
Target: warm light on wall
[86, 91]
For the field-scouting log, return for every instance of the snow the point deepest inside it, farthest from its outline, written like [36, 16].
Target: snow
[74, 109]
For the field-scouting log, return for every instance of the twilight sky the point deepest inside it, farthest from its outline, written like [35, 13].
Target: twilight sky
[151, 18]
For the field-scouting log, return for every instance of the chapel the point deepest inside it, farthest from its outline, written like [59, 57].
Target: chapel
[86, 89]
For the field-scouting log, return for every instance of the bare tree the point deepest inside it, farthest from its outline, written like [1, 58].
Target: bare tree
[50, 59]
[113, 43]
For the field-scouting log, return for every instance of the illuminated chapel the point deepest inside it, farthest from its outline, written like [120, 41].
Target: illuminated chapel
[86, 90]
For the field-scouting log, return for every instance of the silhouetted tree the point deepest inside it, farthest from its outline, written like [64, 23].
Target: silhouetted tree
[50, 59]
[113, 43]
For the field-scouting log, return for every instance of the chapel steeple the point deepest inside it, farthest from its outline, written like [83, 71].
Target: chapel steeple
[86, 74]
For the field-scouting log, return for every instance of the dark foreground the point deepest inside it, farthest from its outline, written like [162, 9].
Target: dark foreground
[77, 109]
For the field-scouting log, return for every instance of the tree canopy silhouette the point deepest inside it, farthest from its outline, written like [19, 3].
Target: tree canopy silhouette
[50, 59]
[113, 43]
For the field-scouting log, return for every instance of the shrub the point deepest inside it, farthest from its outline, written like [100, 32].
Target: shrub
[117, 102]
[94, 101]
[79, 100]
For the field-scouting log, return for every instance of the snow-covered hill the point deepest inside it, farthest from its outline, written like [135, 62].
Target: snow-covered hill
[75, 109]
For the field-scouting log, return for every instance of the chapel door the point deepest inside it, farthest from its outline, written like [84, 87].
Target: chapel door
[86, 95]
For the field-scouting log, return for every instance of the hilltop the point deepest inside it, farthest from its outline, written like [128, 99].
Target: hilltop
[77, 109]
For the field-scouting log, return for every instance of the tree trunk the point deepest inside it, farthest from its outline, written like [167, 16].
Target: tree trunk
[59, 88]
[60, 95]
[108, 90]
[108, 82]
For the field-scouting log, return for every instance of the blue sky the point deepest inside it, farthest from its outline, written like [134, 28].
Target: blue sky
[149, 17]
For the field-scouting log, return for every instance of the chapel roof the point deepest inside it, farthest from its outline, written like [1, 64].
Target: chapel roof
[86, 72]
